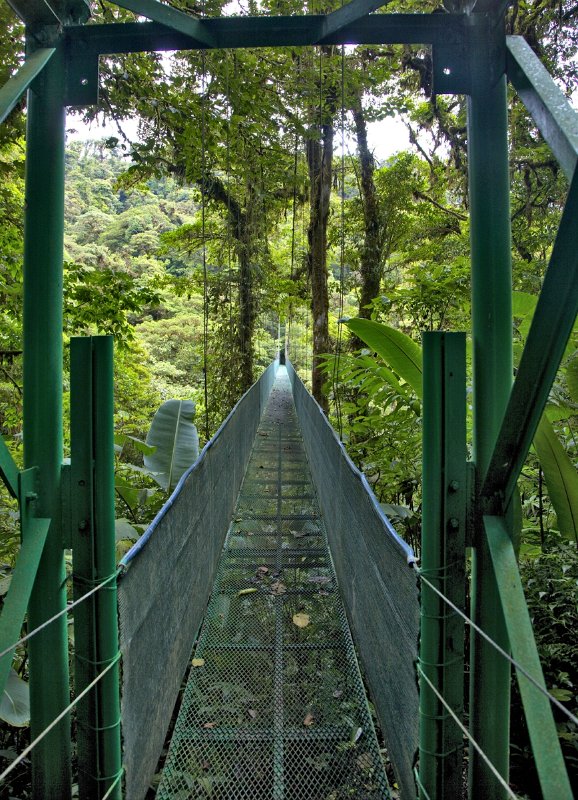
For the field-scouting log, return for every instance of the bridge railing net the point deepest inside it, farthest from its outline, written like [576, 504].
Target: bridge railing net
[274, 707]
[164, 593]
[377, 585]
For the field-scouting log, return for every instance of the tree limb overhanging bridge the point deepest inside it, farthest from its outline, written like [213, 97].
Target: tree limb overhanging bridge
[275, 707]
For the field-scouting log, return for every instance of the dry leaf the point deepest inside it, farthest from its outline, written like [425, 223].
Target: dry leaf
[301, 620]
[298, 534]
[241, 592]
[278, 588]
[252, 713]
[210, 725]
[309, 720]
[337, 693]
[198, 662]
[355, 734]
[262, 570]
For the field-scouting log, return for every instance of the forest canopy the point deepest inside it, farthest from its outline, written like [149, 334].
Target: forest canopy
[250, 213]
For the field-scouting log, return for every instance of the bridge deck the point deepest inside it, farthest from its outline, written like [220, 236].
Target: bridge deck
[274, 706]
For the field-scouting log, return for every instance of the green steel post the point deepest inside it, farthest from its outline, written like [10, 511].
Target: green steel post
[96, 633]
[43, 232]
[82, 524]
[105, 566]
[492, 341]
[443, 563]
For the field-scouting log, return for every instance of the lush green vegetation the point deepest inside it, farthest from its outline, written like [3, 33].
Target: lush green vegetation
[235, 214]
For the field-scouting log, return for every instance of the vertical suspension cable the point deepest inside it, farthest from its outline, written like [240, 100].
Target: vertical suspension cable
[339, 342]
[203, 231]
[293, 226]
[307, 286]
[228, 168]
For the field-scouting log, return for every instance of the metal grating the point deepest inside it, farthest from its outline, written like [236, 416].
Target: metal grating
[275, 709]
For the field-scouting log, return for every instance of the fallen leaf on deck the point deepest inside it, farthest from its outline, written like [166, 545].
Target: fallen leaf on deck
[278, 588]
[319, 579]
[252, 713]
[262, 570]
[198, 662]
[241, 592]
[337, 693]
[309, 720]
[210, 725]
[298, 534]
[355, 734]
[301, 620]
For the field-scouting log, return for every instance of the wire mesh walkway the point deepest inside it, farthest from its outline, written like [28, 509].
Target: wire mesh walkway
[274, 706]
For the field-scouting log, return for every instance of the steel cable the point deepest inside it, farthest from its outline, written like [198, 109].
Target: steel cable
[499, 649]
[58, 719]
[468, 735]
[64, 611]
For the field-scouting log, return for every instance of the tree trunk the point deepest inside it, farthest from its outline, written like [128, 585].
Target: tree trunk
[243, 231]
[319, 162]
[370, 260]
[247, 305]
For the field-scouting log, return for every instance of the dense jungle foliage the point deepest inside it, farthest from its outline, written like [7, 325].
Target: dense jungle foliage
[250, 212]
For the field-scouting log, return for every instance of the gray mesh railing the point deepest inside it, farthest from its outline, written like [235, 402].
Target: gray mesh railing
[377, 585]
[274, 707]
[164, 592]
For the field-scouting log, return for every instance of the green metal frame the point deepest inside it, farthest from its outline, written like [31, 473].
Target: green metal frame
[443, 562]
[471, 55]
[93, 545]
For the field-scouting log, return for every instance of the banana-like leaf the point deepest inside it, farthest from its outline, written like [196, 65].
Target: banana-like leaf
[561, 478]
[15, 702]
[399, 352]
[404, 356]
[124, 530]
[176, 440]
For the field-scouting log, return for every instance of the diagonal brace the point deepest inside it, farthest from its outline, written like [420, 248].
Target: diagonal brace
[348, 14]
[34, 533]
[551, 326]
[171, 18]
[8, 469]
[541, 726]
[545, 101]
[15, 87]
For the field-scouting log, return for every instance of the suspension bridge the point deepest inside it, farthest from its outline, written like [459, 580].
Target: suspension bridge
[308, 585]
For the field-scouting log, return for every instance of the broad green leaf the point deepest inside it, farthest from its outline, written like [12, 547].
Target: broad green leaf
[120, 439]
[15, 702]
[523, 307]
[130, 494]
[561, 478]
[523, 304]
[124, 530]
[399, 352]
[394, 510]
[176, 440]
[556, 413]
[383, 373]
[141, 446]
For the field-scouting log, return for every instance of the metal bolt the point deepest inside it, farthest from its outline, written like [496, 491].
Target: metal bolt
[83, 525]
[454, 486]
[454, 523]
